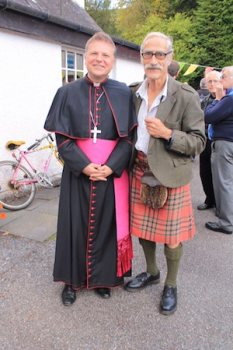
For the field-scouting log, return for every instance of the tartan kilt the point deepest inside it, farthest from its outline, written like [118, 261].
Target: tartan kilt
[171, 224]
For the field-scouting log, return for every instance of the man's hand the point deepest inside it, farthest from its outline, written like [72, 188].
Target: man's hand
[220, 92]
[102, 173]
[90, 169]
[157, 129]
[97, 172]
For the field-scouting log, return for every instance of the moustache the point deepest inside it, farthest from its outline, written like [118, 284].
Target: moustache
[153, 66]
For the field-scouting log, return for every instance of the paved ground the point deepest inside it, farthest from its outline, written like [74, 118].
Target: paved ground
[33, 317]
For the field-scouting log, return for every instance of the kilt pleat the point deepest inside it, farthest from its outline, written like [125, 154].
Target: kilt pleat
[171, 224]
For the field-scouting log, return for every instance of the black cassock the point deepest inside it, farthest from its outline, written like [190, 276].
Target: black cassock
[81, 259]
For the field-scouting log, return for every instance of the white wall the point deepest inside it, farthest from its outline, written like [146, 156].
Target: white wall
[30, 76]
[128, 71]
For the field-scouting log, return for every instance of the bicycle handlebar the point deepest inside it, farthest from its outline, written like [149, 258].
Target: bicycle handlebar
[33, 146]
[38, 142]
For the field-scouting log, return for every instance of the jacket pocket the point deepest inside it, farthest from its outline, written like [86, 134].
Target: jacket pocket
[181, 161]
[173, 126]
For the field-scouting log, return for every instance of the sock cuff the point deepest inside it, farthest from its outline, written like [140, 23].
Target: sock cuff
[174, 254]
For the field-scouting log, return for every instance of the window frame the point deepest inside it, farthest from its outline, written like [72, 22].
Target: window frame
[76, 70]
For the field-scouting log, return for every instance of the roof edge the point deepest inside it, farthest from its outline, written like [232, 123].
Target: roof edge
[47, 17]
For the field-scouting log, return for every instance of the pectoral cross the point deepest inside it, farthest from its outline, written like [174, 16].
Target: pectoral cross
[95, 131]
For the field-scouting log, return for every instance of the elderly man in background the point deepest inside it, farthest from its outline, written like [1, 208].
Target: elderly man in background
[170, 132]
[220, 115]
[212, 82]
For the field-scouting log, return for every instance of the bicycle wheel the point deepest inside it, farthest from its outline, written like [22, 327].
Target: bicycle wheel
[15, 196]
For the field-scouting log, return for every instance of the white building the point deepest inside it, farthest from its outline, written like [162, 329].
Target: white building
[42, 46]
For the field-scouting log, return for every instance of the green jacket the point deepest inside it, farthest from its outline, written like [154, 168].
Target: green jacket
[182, 113]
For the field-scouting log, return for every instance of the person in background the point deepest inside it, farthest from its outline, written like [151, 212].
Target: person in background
[173, 69]
[93, 119]
[220, 115]
[170, 132]
[203, 91]
[212, 82]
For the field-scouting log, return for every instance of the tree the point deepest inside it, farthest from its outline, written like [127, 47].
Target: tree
[103, 14]
[213, 28]
[133, 14]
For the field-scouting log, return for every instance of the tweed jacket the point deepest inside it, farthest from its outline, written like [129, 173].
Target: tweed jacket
[182, 113]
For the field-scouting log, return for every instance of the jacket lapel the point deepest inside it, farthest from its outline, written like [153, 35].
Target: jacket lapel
[165, 108]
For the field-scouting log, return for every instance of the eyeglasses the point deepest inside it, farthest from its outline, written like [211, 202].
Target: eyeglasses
[212, 81]
[147, 55]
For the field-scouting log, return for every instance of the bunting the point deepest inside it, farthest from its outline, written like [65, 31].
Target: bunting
[192, 67]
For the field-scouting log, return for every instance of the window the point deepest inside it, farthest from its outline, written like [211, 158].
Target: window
[72, 65]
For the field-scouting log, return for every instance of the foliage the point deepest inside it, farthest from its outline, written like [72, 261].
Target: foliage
[213, 27]
[103, 14]
[201, 29]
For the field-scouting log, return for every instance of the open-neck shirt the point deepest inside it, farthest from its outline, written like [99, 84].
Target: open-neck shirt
[143, 137]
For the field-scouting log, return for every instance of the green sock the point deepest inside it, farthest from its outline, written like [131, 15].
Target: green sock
[149, 249]
[173, 257]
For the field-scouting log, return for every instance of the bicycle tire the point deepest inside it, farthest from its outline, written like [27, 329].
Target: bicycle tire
[12, 197]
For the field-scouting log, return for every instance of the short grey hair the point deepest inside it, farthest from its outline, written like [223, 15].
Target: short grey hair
[101, 36]
[213, 72]
[230, 69]
[163, 36]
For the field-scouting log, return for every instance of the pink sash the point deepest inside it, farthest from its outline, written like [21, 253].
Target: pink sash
[99, 153]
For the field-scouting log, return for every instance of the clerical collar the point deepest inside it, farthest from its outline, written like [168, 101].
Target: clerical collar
[95, 84]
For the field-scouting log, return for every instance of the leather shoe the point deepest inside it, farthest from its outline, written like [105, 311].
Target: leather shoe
[68, 295]
[103, 292]
[141, 281]
[168, 304]
[205, 206]
[213, 226]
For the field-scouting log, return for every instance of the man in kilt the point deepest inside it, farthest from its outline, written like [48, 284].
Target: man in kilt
[171, 131]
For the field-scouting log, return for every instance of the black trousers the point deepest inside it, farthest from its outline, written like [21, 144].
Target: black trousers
[206, 174]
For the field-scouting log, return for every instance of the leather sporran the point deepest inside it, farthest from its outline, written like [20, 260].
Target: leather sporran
[152, 192]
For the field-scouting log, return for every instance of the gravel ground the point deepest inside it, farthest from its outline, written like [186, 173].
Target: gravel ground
[33, 317]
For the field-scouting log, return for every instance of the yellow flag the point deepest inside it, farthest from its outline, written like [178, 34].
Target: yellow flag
[191, 69]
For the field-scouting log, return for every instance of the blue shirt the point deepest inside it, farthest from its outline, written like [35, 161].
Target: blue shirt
[220, 115]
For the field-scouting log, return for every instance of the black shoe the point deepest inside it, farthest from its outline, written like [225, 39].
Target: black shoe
[103, 292]
[205, 206]
[141, 281]
[213, 226]
[168, 304]
[68, 295]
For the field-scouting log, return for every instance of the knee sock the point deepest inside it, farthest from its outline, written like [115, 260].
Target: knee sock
[173, 257]
[149, 249]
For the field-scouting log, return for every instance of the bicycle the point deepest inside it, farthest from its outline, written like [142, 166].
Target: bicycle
[17, 183]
